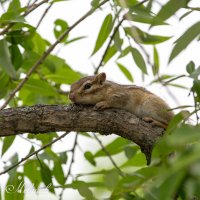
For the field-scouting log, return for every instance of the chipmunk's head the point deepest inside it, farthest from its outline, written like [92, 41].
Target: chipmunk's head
[88, 90]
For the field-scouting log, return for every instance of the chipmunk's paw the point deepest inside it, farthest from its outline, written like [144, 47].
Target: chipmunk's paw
[100, 106]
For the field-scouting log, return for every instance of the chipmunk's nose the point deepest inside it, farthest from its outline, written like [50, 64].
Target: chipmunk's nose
[72, 96]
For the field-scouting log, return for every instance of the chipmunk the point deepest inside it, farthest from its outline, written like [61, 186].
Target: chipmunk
[97, 91]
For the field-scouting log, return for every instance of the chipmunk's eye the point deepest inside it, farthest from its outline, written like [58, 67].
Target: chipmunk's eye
[87, 86]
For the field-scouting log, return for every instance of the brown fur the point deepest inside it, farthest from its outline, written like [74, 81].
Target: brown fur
[107, 94]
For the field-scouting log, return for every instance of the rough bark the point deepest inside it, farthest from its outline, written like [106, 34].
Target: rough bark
[49, 118]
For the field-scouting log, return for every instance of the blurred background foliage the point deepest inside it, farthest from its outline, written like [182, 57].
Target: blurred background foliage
[175, 169]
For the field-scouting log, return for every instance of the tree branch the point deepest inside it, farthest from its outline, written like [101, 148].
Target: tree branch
[49, 118]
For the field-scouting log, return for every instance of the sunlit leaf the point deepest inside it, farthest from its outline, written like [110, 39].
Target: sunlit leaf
[156, 61]
[46, 176]
[64, 75]
[32, 171]
[5, 59]
[90, 157]
[167, 10]
[139, 60]
[83, 189]
[111, 179]
[145, 38]
[60, 27]
[125, 72]
[125, 52]
[190, 67]
[187, 37]
[39, 87]
[127, 3]
[196, 87]
[58, 172]
[112, 50]
[7, 142]
[114, 147]
[129, 152]
[63, 157]
[195, 74]
[16, 56]
[13, 189]
[104, 32]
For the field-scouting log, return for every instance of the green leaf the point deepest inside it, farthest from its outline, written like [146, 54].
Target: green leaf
[112, 50]
[13, 13]
[63, 157]
[170, 185]
[104, 32]
[83, 190]
[174, 122]
[32, 171]
[130, 152]
[16, 56]
[14, 5]
[47, 177]
[7, 142]
[4, 80]
[135, 180]
[39, 44]
[95, 3]
[196, 87]
[125, 52]
[14, 158]
[187, 37]
[111, 179]
[116, 146]
[64, 75]
[145, 38]
[127, 3]
[59, 28]
[137, 160]
[118, 42]
[190, 67]
[156, 61]
[14, 188]
[139, 60]
[90, 157]
[5, 60]
[4, 86]
[125, 72]
[167, 10]
[58, 172]
[39, 87]
[195, 73]
[142, 15]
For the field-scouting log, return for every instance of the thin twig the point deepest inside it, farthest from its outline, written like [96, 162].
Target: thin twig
[107, 48]
[109, 156]
[47, 52]
[44, 14]
[26, 139]
[173, 79]
[34, 153]
[71, 163]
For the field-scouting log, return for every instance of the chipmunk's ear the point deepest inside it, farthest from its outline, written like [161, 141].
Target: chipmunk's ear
[100, 78]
